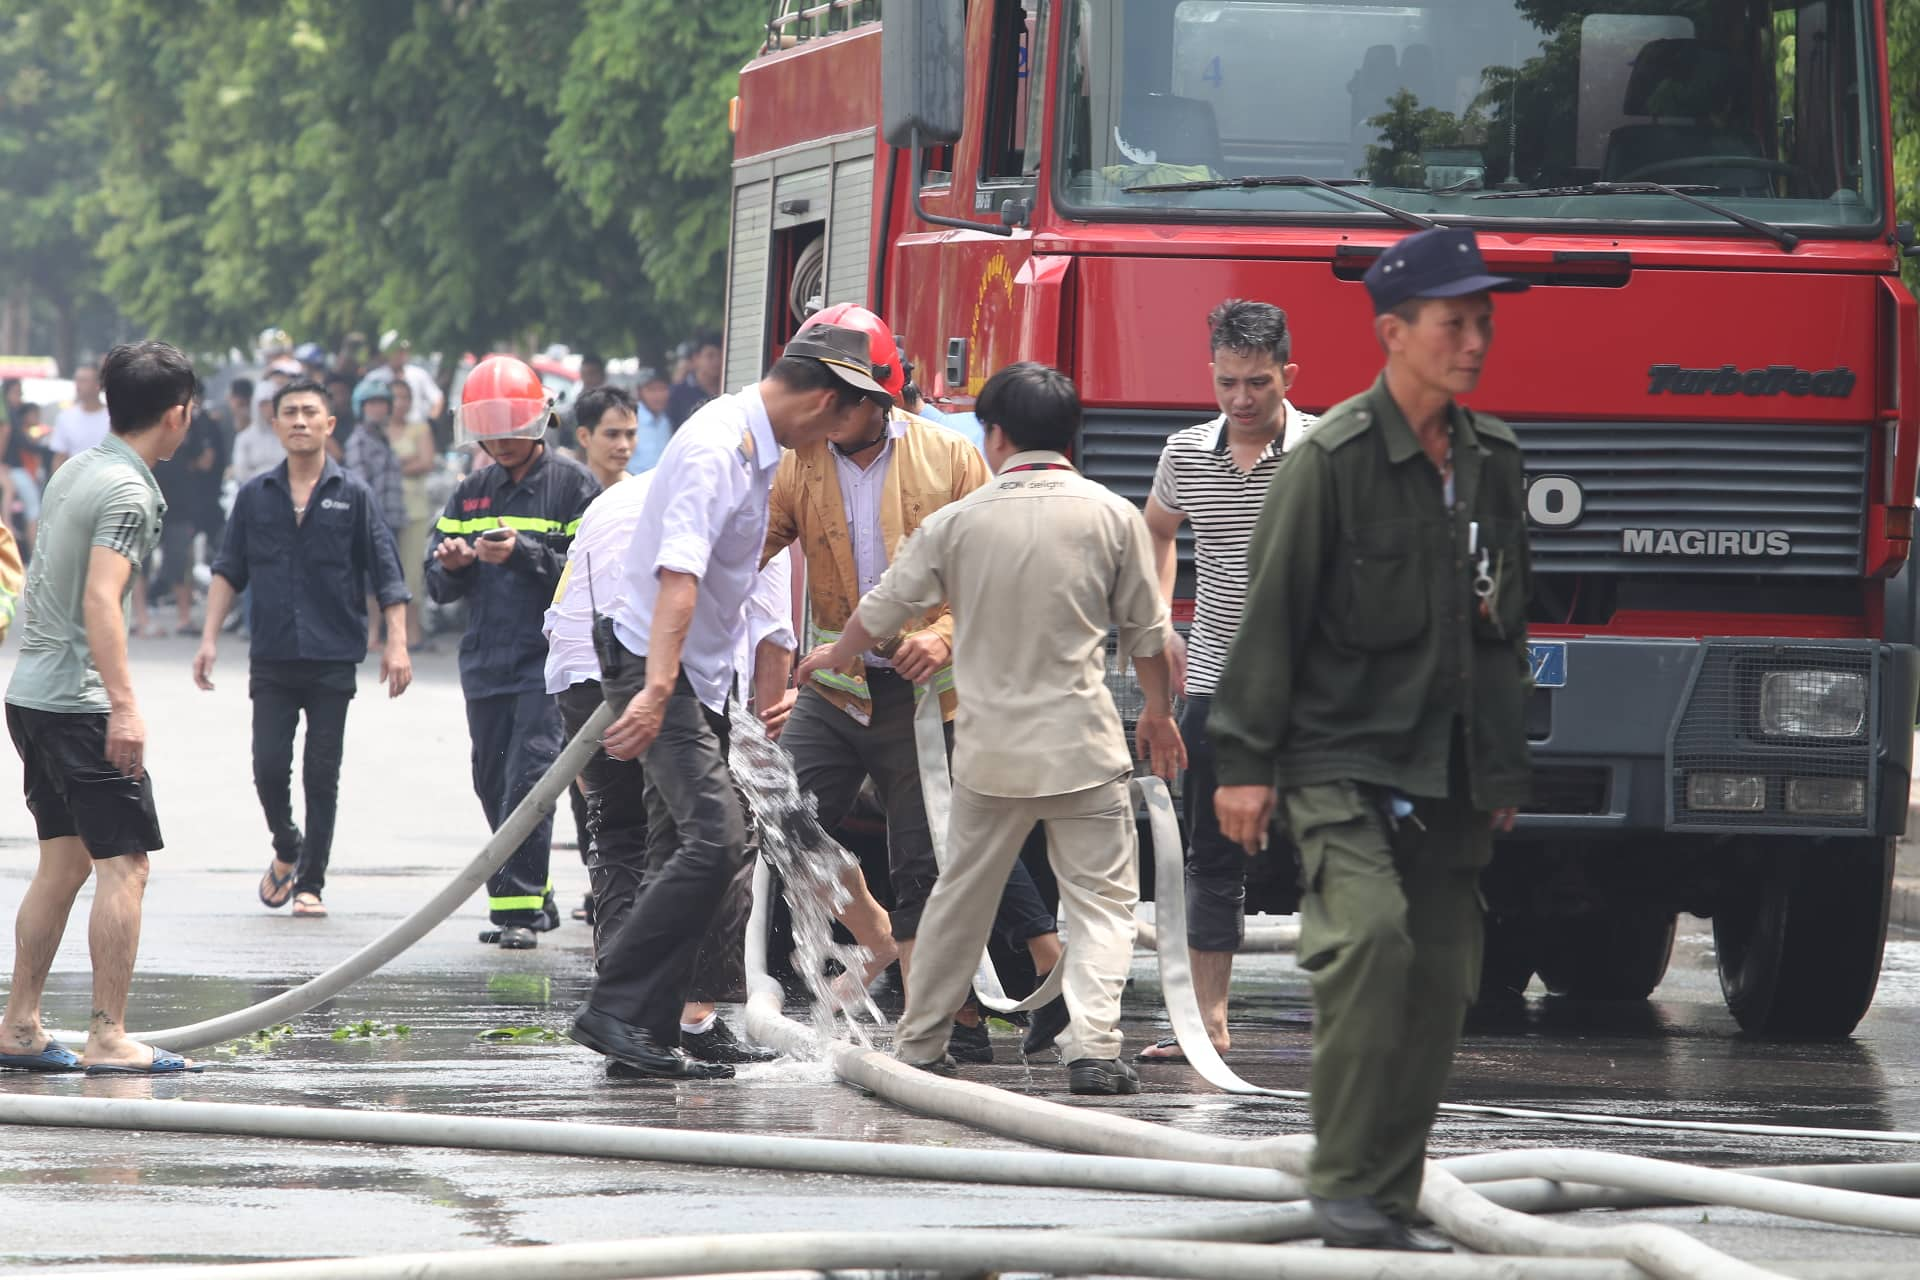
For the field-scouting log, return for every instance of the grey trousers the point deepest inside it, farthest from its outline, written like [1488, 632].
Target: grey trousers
[1091, 843]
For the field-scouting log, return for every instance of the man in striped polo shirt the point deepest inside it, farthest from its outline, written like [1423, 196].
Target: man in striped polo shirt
[1214, 477]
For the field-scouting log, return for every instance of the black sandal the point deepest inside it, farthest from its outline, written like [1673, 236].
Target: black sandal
[282, 887]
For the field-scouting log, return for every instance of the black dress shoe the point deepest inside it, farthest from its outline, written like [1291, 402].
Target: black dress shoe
[641, 1049]
[515, 937]
[1358, 1222]
[944, 1065]
[970, 1044]
[1044, 1027]
[1101, 1077]
[718, 1044]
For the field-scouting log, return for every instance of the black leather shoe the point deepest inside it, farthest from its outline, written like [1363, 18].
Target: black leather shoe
[1044, 1027]
[517, 937]
[641, 1049]
[944, 1065]
[1358, 1222]
[1101, 1077]
[718, 1044]
[970, 1044]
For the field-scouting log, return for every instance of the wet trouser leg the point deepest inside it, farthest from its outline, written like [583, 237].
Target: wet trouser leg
[696, 845]
[833, 753]
[320, 780]
[276, 715]
[516, 737]
[1390, 938]
[1091, 841]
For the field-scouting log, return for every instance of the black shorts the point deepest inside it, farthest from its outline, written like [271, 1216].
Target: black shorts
[73, 791]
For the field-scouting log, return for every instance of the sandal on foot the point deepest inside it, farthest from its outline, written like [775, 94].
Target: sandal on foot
[1177, 1057]
[275, 890]
[309, 905]
[54, 1057]
[163, 1064]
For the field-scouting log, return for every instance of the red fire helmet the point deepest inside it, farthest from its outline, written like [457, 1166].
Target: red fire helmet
[503, 399]
[881, 349]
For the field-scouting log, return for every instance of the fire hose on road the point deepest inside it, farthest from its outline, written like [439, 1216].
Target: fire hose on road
[1123, 1154]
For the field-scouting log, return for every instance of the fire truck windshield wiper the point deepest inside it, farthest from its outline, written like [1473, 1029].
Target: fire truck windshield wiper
[1336, 185]
[1779, 235]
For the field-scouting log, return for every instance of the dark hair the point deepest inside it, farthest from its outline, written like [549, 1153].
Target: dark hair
[143, 380]
[799, 373]
[240, 389]
[9, 384]
[338, 378]
[595, 402]
[300, 386]
[1249, 328]
[590, 358]
[1036, 406]
[703, 341]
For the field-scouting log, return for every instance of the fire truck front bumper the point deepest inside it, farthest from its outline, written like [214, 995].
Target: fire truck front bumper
[1722, 736]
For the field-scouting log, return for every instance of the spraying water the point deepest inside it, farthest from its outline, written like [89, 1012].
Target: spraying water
[813, 868]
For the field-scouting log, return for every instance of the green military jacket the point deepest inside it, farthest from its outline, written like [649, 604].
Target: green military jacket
[1362, 641]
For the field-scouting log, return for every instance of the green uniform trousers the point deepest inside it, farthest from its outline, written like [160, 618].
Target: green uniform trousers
[1390, 936]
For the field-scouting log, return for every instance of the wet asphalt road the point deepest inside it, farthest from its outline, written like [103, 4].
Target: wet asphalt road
[72, 1198]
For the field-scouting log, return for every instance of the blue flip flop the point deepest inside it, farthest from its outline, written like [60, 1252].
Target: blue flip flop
[164, 1064]
[53, 1058]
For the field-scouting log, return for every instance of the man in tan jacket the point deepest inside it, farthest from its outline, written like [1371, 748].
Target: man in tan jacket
[850, 503]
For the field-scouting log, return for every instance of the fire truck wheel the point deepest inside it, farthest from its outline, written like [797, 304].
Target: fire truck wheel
[1506, 963]
[1800, 950]
[1619, 952]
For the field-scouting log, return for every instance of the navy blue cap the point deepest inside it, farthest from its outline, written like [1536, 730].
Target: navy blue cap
[1443, 262]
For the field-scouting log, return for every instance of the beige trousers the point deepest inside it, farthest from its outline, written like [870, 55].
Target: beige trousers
[1092, 844]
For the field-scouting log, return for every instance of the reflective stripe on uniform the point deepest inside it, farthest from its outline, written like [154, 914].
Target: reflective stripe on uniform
[525, 524]
[534, 903]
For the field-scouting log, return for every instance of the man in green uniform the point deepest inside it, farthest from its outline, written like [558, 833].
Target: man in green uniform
[1376, 689]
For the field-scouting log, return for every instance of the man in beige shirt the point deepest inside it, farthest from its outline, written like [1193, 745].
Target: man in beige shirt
[1038, 565]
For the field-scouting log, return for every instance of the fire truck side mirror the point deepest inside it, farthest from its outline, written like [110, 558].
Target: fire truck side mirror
[921, 91]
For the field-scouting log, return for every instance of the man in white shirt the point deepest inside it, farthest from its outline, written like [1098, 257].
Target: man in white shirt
[615, 846]
[82, 424]
[691, 564]
[428, 400]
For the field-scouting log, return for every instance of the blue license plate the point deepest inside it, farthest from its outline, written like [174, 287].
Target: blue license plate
[1548, 660]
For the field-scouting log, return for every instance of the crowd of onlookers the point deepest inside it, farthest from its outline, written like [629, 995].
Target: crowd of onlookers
[392, 429]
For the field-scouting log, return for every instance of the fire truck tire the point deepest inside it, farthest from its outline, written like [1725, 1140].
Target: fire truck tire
[1506, 961]
[1800, 953]
[1619, 953]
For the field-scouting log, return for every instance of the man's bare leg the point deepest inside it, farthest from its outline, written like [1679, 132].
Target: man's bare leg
[1212, 975]
[113, 935]
[695, 1012]
[869, 924]
[42, 921]
[1045, 950]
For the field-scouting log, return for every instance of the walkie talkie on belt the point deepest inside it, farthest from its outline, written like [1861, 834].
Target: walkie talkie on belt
[606, 646]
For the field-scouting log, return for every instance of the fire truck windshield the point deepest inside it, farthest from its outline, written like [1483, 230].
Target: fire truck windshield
[1768, 111]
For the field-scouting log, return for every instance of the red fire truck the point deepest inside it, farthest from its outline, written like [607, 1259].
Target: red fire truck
[1710, 376]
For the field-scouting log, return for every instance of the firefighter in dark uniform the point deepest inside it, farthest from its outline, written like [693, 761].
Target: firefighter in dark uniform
[1376, 691]
[500, 546]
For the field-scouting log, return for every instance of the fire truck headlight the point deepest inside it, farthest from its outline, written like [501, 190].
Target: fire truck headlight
[1813, 704]
[1831, 797]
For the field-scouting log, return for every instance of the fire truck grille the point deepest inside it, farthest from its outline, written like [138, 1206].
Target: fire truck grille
[1698, 499]
[1777, 736]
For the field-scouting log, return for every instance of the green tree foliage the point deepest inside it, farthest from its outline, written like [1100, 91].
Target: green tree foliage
[1409, 133]
[1903, 75]
[51, 151]
[469, 173]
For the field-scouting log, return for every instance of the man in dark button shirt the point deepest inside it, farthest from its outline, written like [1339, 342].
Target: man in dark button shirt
[500, 546]
[306, 538]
